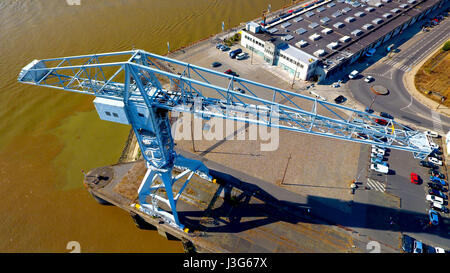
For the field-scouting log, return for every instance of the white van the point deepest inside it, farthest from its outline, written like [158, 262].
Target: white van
[241, 56]
[379, 168]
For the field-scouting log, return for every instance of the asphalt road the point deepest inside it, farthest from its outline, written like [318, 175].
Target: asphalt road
[389, 73]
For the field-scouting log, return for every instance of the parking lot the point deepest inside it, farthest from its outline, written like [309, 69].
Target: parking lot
[412, 217]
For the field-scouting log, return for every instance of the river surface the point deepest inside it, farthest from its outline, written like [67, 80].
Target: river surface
[48, 136]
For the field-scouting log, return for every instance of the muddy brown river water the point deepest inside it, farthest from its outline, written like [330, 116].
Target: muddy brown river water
[47, 136]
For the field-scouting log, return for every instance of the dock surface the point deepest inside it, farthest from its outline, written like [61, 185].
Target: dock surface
[229, 216]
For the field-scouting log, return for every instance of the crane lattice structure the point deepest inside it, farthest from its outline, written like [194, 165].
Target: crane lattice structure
[140, 88]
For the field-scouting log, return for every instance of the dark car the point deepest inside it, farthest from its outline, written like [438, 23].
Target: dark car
[381, 121]
[436, 173]
[240, 90]
[427, 164]
[386, 115]
[216, 64]
[436, 186]
[368, 110]
[340, 99]
[362, 136]
[407, 243]
[407, 128]
[437, 193]
[435, 156]
[235, 52]
[429, 249]
[440, 209]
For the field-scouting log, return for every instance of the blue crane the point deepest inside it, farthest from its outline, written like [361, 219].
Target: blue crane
[141, 89]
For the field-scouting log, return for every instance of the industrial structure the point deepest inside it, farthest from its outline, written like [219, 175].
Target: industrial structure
[316, 40]
[131, 87]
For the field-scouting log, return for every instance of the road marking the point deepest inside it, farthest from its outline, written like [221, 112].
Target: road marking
[378, 186]
[410, 103]
[437, 124]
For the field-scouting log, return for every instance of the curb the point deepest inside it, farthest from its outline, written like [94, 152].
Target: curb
[408, 82]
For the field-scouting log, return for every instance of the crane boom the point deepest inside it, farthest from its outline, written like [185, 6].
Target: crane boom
[140, 88]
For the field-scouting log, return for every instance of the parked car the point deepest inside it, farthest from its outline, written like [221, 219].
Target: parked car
[431, 133]
[436, 186]
[224, 48]
[336, 84]
[432, 198]
[369, 79]
[353, 74]
[378, 151]
[437, 193]
[368, 110]
[436, 152]
[438, 180]
[340, 99]
[216, 64]
[377, 160]
[427, 164]
[436, 173]
[418, 247]
[414, 178]
[434, 160]
[386, 115]
[380, 147]
[379, 168]
[434, 217]
[370, 52]
[381, 121]
[438, 207]
[430, 249]
[362, 136]
[407, 243]
[242, 56]
[435, 156]
[379, 156]
[218, 46]
[240, 90]
[407, 128]
[231, 72]
[434, 146]
[234, 53]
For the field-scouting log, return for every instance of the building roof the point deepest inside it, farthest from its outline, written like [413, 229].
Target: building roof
[297, 53]
[327, 18]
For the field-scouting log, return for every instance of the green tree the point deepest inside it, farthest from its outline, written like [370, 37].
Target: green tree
[446, 46]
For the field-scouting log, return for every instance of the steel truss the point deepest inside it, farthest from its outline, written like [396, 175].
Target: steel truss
[151, 86]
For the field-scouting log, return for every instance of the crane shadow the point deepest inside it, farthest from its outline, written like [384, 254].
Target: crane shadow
[254, 207]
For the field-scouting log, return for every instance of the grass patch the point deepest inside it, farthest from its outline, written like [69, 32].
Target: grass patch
[433, 78]
[232, 40]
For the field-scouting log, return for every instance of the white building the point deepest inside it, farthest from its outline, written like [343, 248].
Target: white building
[280, 53]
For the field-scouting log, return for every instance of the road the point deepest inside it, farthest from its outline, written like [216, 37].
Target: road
[413, 47]
[389, 73]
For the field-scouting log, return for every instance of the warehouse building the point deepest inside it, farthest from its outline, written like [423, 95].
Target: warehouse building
[316, 40]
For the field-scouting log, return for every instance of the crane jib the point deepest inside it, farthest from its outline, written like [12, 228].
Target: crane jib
[141, 88]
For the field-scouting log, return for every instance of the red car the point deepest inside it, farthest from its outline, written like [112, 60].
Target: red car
[381, 121]
[231, 72]
[414, 178]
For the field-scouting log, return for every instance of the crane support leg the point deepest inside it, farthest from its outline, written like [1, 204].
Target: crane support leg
[164, 178]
